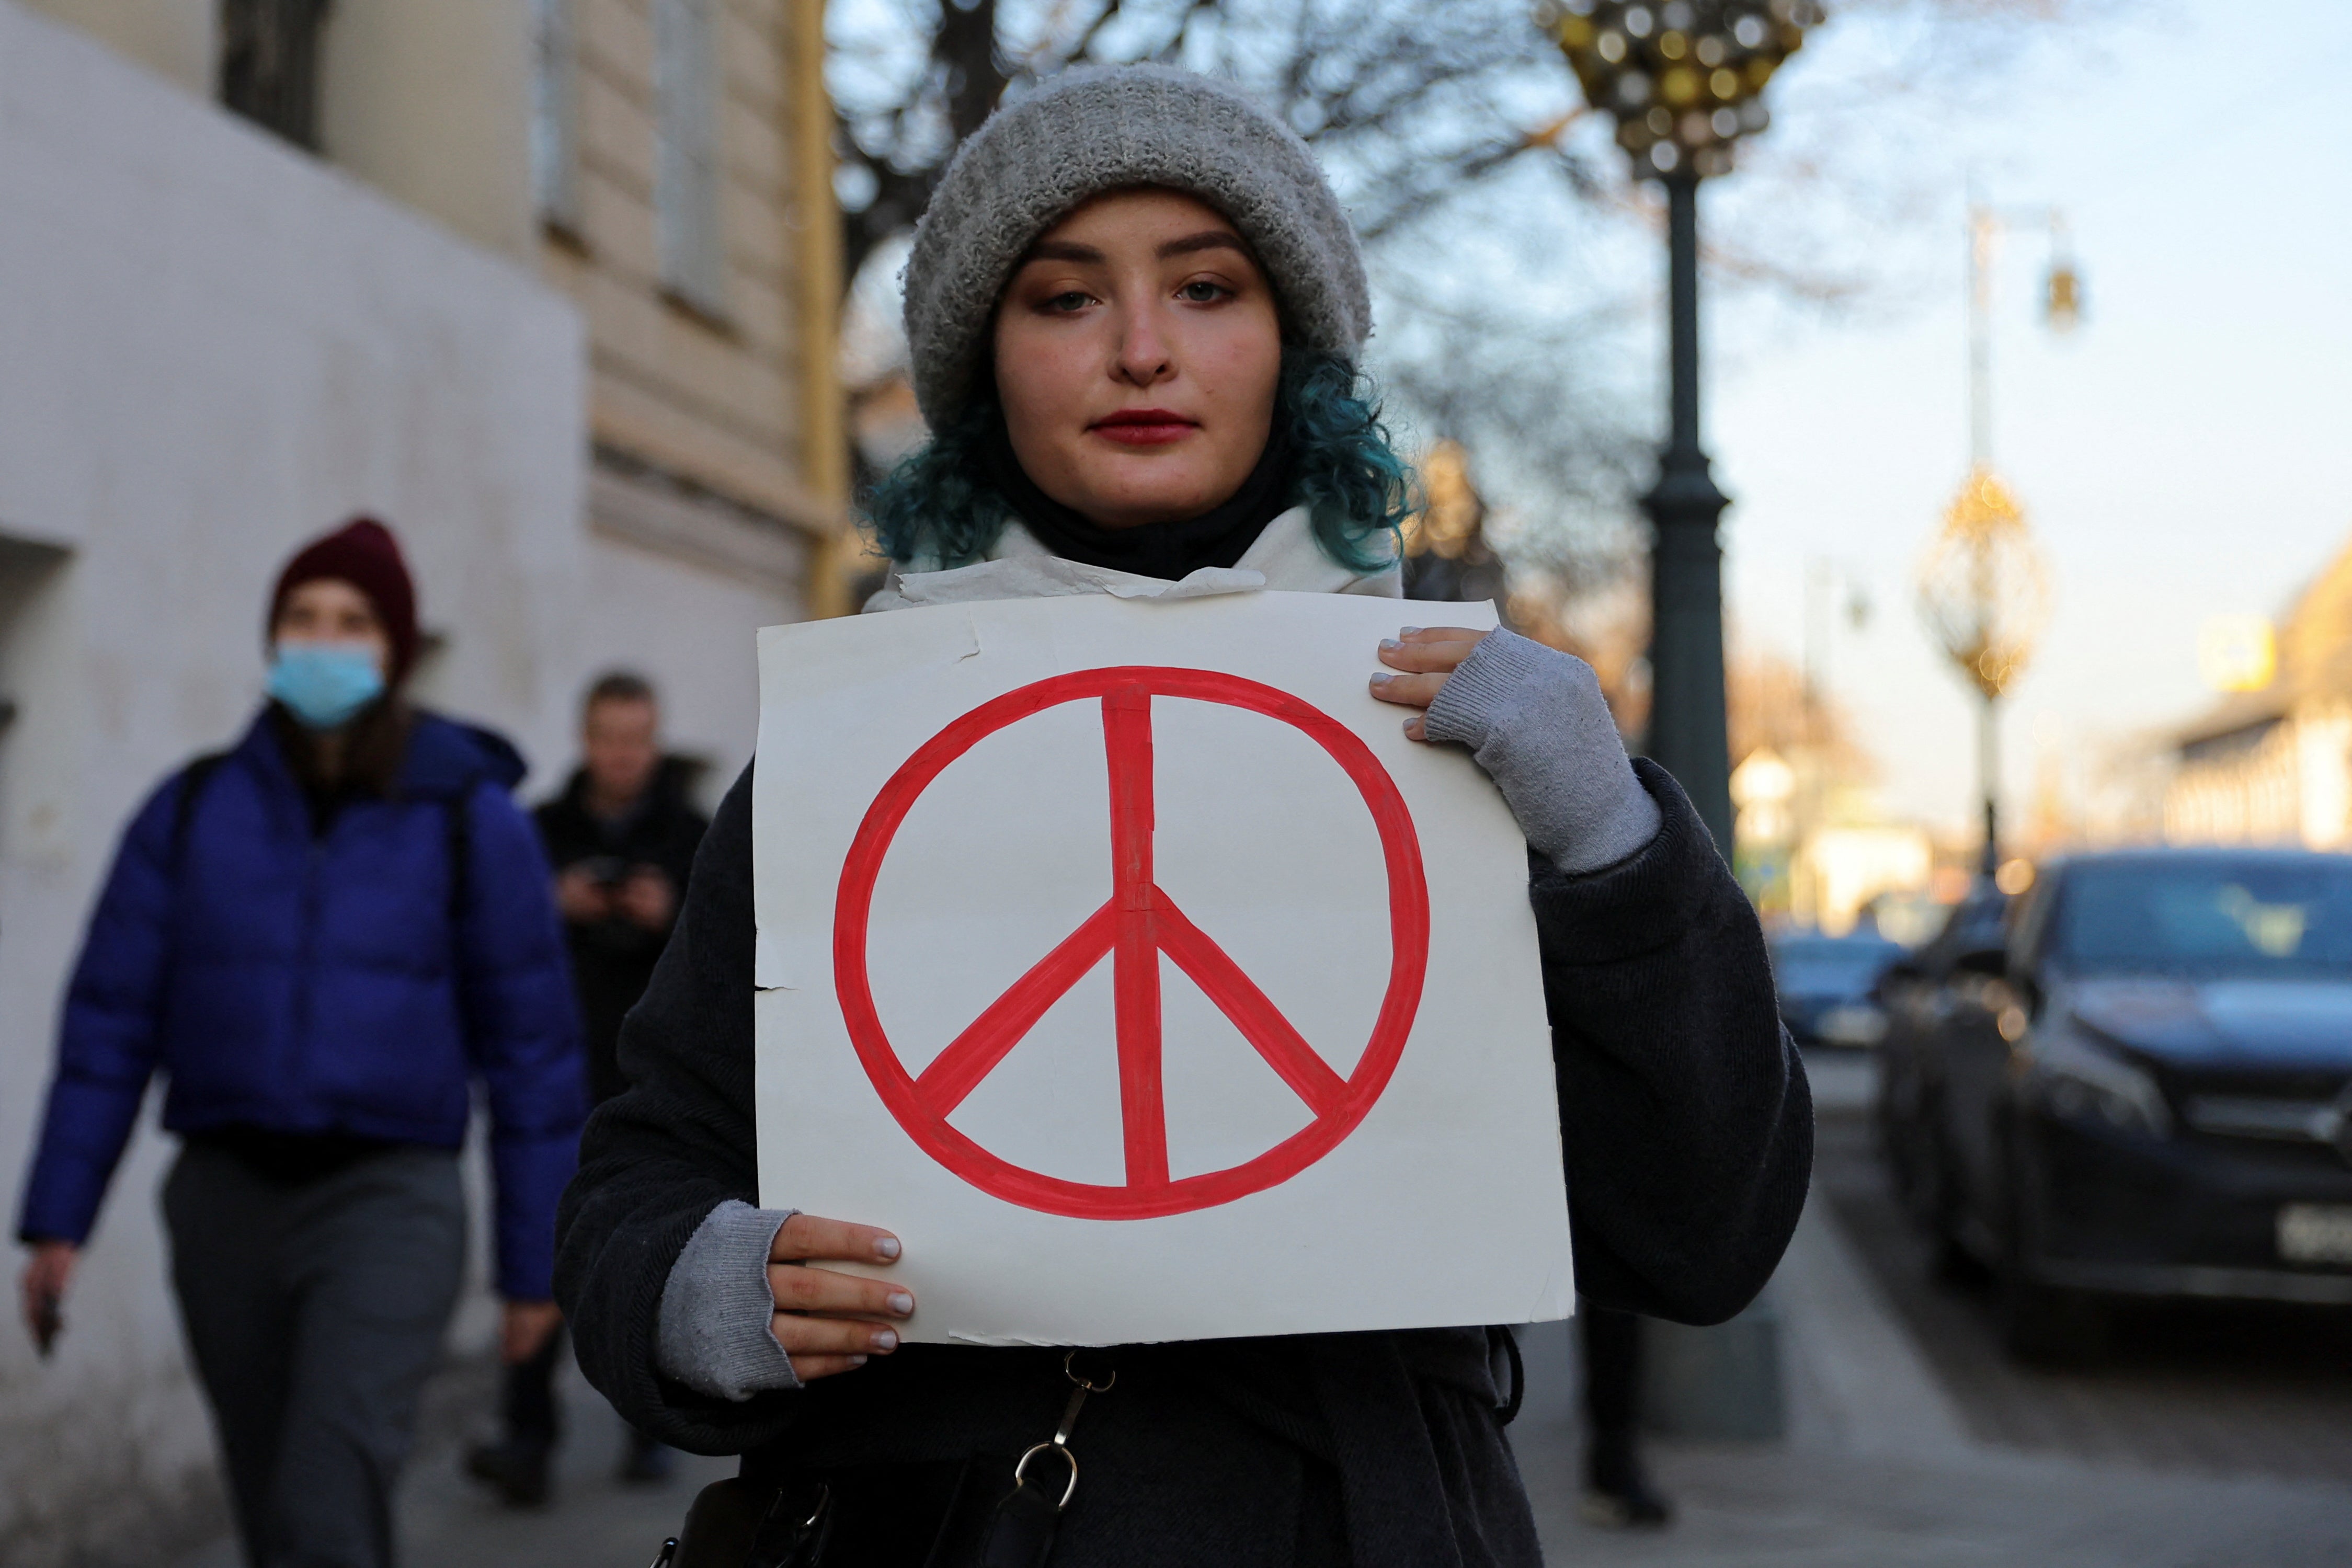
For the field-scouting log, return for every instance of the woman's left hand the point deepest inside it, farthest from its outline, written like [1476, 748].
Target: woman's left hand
[1425, 656]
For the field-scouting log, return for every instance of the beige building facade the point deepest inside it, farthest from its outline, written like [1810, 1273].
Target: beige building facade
[548, 285]
[2275, 765]
[666, 164]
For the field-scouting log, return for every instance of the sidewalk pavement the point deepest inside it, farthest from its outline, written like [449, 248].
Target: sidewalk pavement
[1880, 1470]
[594, 1522]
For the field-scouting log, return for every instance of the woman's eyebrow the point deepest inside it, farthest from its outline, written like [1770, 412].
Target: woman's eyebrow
[1207, 239]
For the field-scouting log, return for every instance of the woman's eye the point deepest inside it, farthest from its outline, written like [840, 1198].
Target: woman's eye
[1066, 302]
[1200, 291]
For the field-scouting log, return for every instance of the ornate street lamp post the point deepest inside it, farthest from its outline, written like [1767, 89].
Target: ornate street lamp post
[1984, 592]
[1684, 80]
[1984, 588]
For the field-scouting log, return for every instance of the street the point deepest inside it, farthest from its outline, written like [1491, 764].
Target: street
[2234, 1390]
[2207, 1438]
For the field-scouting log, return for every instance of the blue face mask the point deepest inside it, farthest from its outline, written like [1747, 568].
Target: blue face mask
[324, 685]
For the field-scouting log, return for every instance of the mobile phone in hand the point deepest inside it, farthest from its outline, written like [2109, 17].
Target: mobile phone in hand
[48, 1321]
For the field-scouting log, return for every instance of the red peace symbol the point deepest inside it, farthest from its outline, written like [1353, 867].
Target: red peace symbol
[1137, 924]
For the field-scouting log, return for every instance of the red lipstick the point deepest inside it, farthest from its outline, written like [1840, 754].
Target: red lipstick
[1144, 426]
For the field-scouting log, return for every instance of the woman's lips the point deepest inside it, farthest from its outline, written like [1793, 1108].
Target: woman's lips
[1143, 427]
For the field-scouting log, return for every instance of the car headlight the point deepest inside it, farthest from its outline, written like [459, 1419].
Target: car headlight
[2079, 1081]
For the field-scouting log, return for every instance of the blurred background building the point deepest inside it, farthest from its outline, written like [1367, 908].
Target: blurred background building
[1814, 843]
[547, 285]
[2272, 762]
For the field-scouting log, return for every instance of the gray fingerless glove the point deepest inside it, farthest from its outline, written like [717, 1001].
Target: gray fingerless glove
[714, 1333]
[1535, 720]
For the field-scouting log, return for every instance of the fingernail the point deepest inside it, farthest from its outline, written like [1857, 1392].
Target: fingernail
[1409, 630]
[1390, 644]
[886, 1247]
[1408, 729]
[1381, 677]
[900, 1302]
[857, 1361]
[883, 1339]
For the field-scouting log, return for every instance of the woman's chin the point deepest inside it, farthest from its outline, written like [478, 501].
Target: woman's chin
[1133, 500]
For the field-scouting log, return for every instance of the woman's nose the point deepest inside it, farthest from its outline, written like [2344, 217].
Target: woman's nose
[1144, 357]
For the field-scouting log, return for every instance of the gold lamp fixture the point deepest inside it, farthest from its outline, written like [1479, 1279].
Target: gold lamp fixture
[1684, 78]
[1984, 587]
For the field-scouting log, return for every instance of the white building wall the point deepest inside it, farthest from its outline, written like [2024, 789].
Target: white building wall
[212, 347]
[179, 39]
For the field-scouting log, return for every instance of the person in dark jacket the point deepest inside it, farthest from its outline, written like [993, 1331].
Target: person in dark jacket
[324, 937]
[622, 838]
[1134, 311]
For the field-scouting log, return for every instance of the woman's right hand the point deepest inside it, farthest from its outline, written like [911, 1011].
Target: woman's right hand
[47, 1275]
[829, 1321]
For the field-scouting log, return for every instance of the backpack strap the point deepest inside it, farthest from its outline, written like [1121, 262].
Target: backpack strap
[192, 779]
[458, 827]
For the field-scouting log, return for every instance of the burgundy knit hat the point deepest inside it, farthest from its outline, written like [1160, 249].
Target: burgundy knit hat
[362, 553]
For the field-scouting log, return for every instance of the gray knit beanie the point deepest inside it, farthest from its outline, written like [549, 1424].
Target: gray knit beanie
[1095, 129]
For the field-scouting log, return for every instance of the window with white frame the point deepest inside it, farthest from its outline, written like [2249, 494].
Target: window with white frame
[685, 162]
[555, 114]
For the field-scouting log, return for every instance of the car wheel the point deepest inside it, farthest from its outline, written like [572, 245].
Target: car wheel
[2041, 1324]
[1903, 1136]
[1931, 1199]
[1949, 1262]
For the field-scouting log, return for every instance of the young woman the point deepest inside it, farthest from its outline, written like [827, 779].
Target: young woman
[1135, 310]
[322, 937]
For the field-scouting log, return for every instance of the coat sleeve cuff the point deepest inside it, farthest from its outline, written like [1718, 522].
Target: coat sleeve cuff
[1647, 901]
[531, 1172]
[714, 1333]
[1535, 720]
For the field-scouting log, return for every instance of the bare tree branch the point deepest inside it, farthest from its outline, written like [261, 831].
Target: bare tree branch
[1431, 120]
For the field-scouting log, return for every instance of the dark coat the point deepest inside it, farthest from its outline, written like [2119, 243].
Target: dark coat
[1689, 1135]
[612, 960]
[293, 980]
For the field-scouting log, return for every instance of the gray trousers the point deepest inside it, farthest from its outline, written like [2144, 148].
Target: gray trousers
[314, 1313]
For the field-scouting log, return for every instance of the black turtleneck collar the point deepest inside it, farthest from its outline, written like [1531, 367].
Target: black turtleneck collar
[1217, 537]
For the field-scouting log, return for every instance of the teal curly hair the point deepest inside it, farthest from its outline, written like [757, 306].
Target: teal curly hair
[938, 506]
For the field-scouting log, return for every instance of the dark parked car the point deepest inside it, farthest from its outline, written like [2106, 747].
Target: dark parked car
[2138, 1083]
[1827, 985]
[1916, 995]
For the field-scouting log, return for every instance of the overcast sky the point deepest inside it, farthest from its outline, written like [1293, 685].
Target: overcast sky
[2187, 453]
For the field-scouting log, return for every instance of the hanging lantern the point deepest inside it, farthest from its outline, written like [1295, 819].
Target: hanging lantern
[1984, 587]
[1684, 78]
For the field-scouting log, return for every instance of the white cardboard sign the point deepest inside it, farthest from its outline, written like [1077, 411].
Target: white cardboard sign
[1127, 961]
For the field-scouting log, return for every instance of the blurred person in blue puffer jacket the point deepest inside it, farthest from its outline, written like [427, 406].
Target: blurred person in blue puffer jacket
[323, 937]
